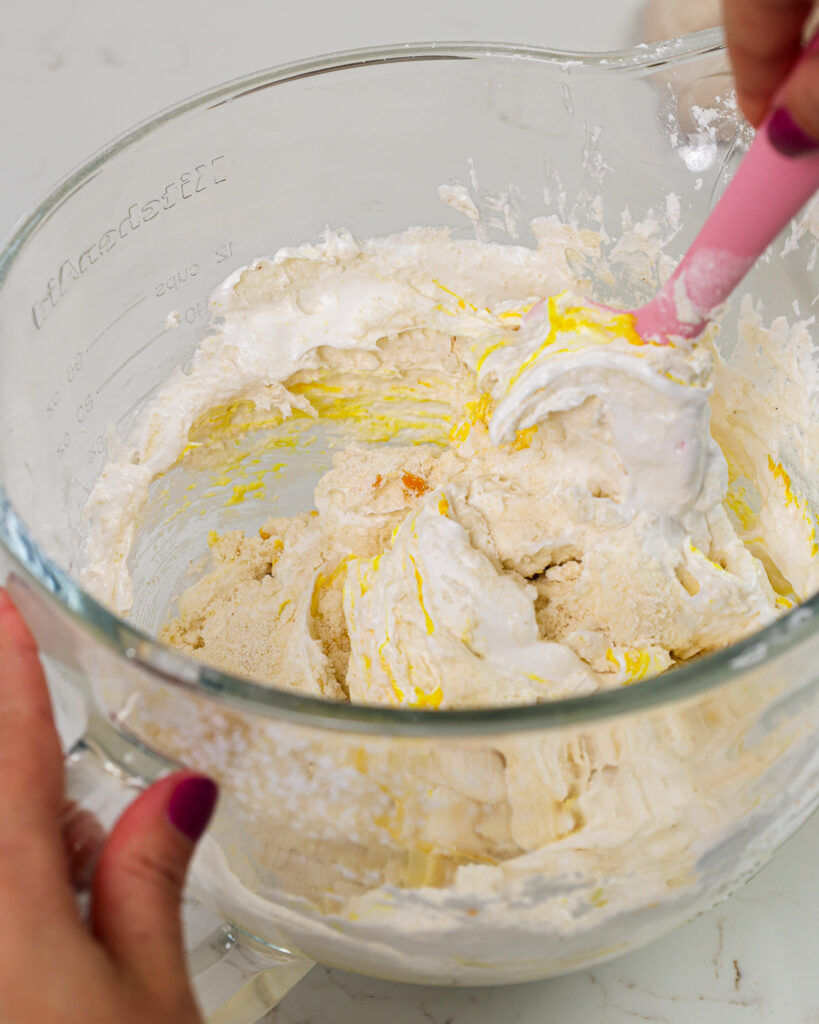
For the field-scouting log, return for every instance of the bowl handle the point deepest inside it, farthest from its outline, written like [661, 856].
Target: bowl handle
[239, 979]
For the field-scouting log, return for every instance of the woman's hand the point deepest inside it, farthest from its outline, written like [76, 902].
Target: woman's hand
[764, 40]
[127, 966]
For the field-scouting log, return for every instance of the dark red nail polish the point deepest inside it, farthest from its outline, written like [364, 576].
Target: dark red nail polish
[786, 135]
[191, 805]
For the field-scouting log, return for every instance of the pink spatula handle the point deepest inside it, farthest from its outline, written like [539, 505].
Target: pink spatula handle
[767, 190]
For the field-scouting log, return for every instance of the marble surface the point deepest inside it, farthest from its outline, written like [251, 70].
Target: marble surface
[77, 72]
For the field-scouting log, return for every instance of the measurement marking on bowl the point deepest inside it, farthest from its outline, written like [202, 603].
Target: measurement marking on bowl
[137, 403]
[116, 320]
[130, 358]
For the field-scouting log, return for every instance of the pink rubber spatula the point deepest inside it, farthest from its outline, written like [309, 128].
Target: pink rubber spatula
[778, 175]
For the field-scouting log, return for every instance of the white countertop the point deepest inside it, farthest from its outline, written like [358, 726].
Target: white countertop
[75, 73]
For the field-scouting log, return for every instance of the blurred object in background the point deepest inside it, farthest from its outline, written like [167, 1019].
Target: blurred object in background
[667, 19]
[706, 104]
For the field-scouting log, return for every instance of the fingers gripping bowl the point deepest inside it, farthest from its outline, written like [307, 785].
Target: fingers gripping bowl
[470, 846]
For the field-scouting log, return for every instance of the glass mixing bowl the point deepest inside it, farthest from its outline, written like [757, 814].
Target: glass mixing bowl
[381, 840]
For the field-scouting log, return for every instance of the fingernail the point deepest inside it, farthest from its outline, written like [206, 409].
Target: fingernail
[191, 805]
[786, 135]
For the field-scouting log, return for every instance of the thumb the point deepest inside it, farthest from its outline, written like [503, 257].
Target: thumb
[794, 125]
[138, 882]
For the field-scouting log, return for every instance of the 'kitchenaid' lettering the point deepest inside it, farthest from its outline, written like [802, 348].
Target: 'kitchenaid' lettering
[71, 269]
